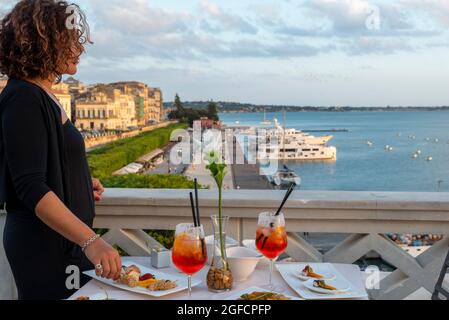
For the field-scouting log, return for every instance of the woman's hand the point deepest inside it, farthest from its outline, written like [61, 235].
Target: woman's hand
[101, 253]
[98, 189]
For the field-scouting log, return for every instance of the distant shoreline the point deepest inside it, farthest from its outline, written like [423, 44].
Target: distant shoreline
[418, 109]
[234, 107]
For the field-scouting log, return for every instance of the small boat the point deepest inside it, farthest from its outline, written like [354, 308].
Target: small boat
[437, 140]
[418, 152]
[265, 121]
[430, 158]
[369, 143]
[237, 122]
[390, 149]
[415, 156]
[387, 147]
[285, 177]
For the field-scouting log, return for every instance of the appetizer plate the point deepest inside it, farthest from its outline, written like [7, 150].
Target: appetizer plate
[287, 271]
[309, 285]
[181, 281]
[325, 272]
[249, 290]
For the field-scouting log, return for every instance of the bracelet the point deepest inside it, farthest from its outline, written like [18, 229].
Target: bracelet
[89, 242]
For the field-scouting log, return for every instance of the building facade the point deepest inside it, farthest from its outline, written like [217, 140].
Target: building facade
[62, 93]
[148, 101]
[105, 108]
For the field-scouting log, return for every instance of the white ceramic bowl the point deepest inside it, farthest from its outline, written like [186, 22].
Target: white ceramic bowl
[251, 244]
[242, 261]
[210, 246]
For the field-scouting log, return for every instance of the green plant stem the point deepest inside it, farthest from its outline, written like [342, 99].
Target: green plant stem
[220, 226]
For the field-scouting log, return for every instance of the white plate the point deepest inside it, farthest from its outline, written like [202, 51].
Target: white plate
[100, 296]
[327, 275]
[237, 296]
[180, 280]
[287, 271]
[309, 285]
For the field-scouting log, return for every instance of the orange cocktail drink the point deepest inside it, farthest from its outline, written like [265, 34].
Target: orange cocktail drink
[271, 238]
[271, 241]
[189, 253]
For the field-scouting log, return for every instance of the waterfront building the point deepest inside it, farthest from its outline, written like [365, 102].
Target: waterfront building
[148, 101]
[62, 93]
[156, 111]
[76, 87]
[206, 124]
[103, 107]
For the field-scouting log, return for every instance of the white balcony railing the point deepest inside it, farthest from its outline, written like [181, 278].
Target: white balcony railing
[364, 215]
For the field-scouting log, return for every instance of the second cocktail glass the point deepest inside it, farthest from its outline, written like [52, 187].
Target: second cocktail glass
[271, 239]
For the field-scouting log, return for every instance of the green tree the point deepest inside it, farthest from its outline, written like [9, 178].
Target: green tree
[178, 105]
[212, 111]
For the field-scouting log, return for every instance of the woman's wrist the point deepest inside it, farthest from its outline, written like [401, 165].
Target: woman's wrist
[89, 242]
[85, 236]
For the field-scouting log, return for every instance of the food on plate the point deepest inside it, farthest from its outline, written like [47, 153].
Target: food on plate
[130, 276]
[83, 298]
[323, 285]
[308, 272]
[147, 276]
[146, 283]
[162, 285]
[263, 296]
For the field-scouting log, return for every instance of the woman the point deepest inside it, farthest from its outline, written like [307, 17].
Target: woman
[45, 179]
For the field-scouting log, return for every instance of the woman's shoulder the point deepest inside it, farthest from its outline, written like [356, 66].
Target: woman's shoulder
[19, 93]
[21, 87]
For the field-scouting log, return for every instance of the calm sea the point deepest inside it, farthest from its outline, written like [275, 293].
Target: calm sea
[363, 168]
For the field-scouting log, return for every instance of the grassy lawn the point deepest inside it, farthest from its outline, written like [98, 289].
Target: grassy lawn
[103, 162]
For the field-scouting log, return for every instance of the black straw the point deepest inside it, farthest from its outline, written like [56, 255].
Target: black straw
[197, 203]
[287, 195]
[197, 211]
[193, 210]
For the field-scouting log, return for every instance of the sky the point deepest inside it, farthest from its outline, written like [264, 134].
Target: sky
[292, 52]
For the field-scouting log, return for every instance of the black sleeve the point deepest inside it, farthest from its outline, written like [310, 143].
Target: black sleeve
[25, 138]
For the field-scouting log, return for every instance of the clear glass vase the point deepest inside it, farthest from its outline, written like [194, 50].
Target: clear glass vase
[219, 277]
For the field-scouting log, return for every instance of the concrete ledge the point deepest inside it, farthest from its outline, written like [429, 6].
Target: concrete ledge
[307, 211]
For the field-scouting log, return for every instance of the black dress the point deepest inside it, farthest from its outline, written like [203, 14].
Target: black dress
[39, 256]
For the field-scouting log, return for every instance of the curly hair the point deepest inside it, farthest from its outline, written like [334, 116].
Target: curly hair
[38, 37]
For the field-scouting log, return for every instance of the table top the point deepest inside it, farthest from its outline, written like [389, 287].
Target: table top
[259, 278]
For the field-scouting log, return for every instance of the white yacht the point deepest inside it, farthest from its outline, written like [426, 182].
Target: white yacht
[292, 149]
[285, 177]
[297, 135]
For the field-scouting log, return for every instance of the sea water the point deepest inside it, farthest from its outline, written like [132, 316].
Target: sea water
[361, 167]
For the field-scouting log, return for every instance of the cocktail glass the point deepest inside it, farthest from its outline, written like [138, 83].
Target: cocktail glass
[271, 240]
[189, 250]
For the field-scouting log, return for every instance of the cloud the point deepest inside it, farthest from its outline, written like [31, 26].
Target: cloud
[437, 9]
[224, 21]
[359, 27]
[367, 45]
[137, 17]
